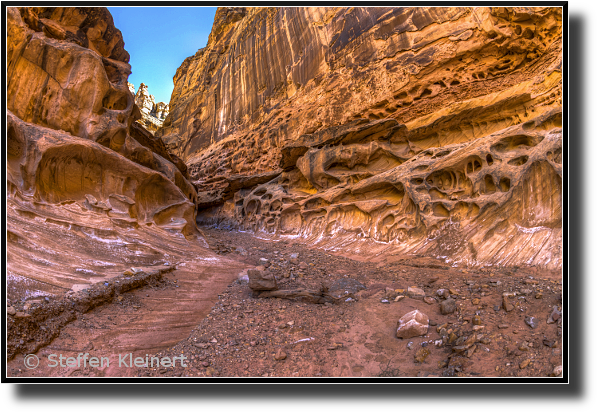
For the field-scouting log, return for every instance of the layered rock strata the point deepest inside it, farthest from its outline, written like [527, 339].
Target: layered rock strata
[90, 192]
[427, 131]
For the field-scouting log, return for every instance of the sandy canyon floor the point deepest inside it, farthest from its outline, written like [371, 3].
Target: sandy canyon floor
[205, 311]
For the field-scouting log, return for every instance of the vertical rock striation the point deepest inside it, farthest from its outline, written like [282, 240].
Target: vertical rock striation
[430, 131]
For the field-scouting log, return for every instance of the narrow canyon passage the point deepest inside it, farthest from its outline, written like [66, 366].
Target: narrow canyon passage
[330, 191]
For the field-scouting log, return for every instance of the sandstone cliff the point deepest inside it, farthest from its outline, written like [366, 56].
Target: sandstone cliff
[429, 131]
[90, 192]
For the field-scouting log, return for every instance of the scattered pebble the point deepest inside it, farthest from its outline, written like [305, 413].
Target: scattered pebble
[265, 334]
[448, 306]
[531, 321]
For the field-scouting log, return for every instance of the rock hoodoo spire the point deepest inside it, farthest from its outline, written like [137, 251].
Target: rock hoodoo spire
[153, 113]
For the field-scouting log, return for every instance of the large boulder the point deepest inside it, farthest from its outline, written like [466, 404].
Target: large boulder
[259, 281]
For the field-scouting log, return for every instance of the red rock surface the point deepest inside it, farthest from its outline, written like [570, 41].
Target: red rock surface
[422, 144]
[90, 193]
[428, 131]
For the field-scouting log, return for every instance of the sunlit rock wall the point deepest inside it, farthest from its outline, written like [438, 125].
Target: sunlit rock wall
[434, 131]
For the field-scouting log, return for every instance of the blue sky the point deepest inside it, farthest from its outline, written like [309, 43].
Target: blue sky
[159, 39]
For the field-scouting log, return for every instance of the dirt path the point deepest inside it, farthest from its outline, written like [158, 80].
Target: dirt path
[140, 322]
[202, 311]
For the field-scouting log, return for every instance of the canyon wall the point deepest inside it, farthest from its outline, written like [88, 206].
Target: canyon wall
[89, 191]
[420, 131]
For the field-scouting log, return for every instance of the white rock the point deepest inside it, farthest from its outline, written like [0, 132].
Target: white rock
[557, 371]
[444, 293]
[412, 324]
[143, 99]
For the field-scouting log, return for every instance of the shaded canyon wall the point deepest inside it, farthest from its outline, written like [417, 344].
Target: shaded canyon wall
[89, 191]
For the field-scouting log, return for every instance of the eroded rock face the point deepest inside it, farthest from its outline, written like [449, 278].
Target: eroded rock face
[75, 82]
[494, 200]
[430, 131]
[54, 168]
[89, 191]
